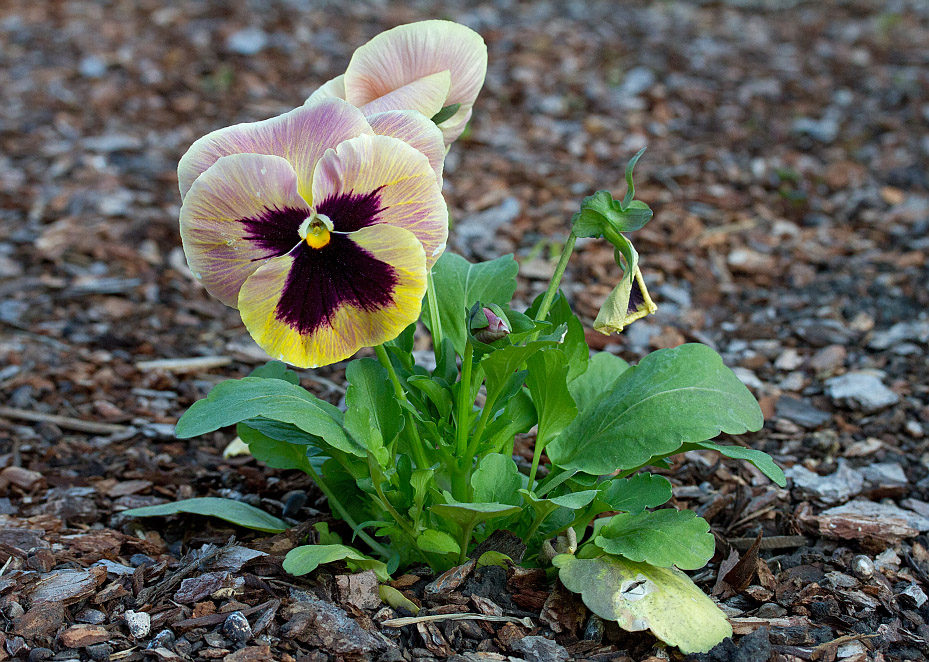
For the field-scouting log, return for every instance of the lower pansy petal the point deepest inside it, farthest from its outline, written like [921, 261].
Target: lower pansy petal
[301, 136]
[373, 180]
[426, 95]
[316, 306]
[416, 130]
[241, 211]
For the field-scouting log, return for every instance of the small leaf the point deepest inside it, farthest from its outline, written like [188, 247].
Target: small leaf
[275, 370]
[446, 112]
[463, 284]
[235, 512]
[674, 396]
[305, 559]
[280, 445]
[496, 479]
[760, 459]
[547, 382]
[467, 515]
[662, 538]
[326, 537]
[639, 596]
[396, 599]
[373, 415]
[493, 557]
[437, 542]
[636, 493]
[603, 370]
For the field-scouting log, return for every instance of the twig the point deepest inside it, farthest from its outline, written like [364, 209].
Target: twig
[67, 422]
[194, 364]
[412, 620]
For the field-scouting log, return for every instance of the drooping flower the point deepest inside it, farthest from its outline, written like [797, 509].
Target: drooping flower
[317, 229]
[628, 302]
[424, 66]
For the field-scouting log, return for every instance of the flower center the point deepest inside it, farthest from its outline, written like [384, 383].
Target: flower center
[315, 230]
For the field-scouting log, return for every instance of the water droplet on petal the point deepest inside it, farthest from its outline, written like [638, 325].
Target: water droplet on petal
[264, 171]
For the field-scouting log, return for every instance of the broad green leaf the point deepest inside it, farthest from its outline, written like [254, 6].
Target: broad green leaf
[547, 383]
[373, 416]
[437, 394]
[518, 416]
[396, 599]
[235, 512]
[462, 284]
[305, 559]
[500, 366]
[437, 542]
[275, 370]
[467, 515]
[603, 370]
[497, 479]
[760, 459]
[575, 500]
[280, 445]
[636, 493]
[674, 396]
[446, 112]
[639, 596]
[661, 537]
[238, 400]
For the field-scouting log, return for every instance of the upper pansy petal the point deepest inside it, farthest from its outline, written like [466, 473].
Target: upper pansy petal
[370, 180]
[301, 136]
[244, 209]
[426, 95]
[314, 307]
[416, 130]
[331, 88]
[409, 52]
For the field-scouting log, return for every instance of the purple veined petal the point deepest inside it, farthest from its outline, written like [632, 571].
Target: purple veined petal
[300, 136]
[409, 52]
[416, 130]
[243, 210]
[426, 95]
[331, 88]
[314, 307]
[371, 180]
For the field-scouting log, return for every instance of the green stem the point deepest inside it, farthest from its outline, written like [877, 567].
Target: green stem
[532, 529]
[340, 509]
[585, 517]
[536, 456]
[465, 539]
[435, 319]
[416, 445]
[465, 402]
[552, 290]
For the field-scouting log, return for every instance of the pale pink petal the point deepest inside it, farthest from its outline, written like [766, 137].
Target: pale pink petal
[333, 88]
[372, 180]
[243, 210]
[414, 129]
[301, 136]
[426, 95]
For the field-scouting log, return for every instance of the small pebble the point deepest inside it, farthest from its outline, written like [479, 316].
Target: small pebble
[595, 629]
[100, 652]
[237, 628]
[293, 502]
[90, 616]
[39, 654]
[164, 639]
[862, 567]
[139, 623]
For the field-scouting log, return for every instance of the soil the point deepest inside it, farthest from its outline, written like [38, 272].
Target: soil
[786, 165]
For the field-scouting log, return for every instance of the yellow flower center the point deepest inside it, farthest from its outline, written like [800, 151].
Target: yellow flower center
[315, 230]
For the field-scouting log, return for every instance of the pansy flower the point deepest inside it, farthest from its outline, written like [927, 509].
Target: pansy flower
[316, 228]
[424, 66]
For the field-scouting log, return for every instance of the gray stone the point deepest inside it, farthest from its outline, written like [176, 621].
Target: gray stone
[248, 41]
[748, 377]
[92, 66]
[801, 412]
[861, 390]
[837, 487]
[540, 649]
[900, 332]
[138, 622]
[637, 81]
[884, 474]
[824, 130]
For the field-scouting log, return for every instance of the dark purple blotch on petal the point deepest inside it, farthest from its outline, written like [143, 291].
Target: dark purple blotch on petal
[636, 298]
[352, 211]
[322, 280]
[275, 229]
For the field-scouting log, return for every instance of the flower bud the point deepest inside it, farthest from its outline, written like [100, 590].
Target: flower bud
[495, 329]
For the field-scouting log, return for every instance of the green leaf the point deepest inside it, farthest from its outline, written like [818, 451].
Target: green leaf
[547, 383]
[674, 396]
[500, 366]
[661, 537]
[446, 113]
[305, 559]
[518, 416]
[438, 395]
[467, 515]
[396, 599]
[275, 370]
[373, 416]
[497, 480]
[280, 445]
[602, 372]
[760, 459]
[630, 187]
[492, 557]
[437, 542]
[462, 284]
[235, 512]
[325, 536]
[639, 596]
[238, 400]
[635, 494]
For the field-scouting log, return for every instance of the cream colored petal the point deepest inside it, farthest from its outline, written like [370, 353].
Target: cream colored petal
[416, 130]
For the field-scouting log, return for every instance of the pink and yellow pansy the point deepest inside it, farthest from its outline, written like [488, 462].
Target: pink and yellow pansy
[318, 225]
[424, 66]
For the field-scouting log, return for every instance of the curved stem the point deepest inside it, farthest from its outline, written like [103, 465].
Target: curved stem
[546, 304]
[416, 444]
[340, 509]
